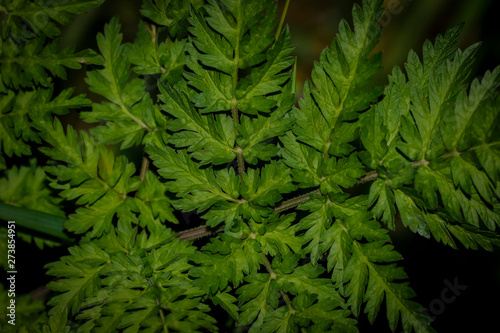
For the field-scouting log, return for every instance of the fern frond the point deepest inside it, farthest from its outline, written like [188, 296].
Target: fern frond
[128, 280]
[427, 117]
[211, 139]
[172, 14]
[237, 24]
[469, 236]
[25, 19]
[342, 85]
[279, 236]
[370, 274]
[214, 76]
[207, 91]
[199, 189]
[151, 56]
[342, 81]
[266, 79]
[264, 188]
[315, 299]
[257, 135]
[31, 63]
[104, 184]
[15, 126]
[225, 259]
[130, 115]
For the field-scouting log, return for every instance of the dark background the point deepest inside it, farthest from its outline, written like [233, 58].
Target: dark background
[313, 25]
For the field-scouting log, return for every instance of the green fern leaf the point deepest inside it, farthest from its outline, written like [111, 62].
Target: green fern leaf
[443, 86]
[266, 190]
[383, 197]
[130, 115]
[151, 56]
[104, 184]
[199, 188]
[316, 300]
[31, 63]
[257, 297]
[210, 139]
[342, 82]
[429, 134]
[15, 126]
[370, 276]
[279, 236]
[255, 134]
[468, 235]
[207, 91]
[41, 17]
[225, 259]
[266, 79]
[131, 287]
[83, 268]
[316, 224]
[169, 13]
[304, 161]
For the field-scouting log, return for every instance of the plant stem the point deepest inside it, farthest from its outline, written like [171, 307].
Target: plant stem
[144, 168]
[241, 163]
[273, 276]
[234, 106]
[267, 264]
[282, 19]
[294, 77]
[198, 232]
[368, 177]
[287, 301]
[295, 201]
[158, 303]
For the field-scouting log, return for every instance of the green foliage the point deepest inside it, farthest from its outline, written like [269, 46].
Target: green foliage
[205, 96]
[130, 116]
[26, 19]
[130, 281]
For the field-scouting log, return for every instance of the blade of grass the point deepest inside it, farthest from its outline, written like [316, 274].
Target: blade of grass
[43, 223]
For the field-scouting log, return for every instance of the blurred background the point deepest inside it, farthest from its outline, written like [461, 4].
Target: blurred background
[407, 24]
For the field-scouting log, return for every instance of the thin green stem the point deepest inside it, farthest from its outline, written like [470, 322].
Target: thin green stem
[457, 153]
[158, 303]
[273, 276]
[152, 31]
[294, 76]
[287, 301]
[234, 104]
[267, 264]
[282, 19]
[144, 168]
[241, 163]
